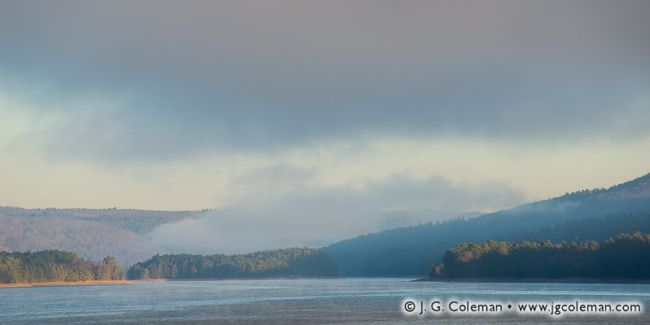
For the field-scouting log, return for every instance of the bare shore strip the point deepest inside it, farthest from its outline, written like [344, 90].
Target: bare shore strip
[73, 283]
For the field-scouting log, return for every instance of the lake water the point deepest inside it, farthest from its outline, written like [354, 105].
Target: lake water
[298, 301]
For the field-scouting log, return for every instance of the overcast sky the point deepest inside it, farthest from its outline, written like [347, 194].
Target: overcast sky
[338, 116]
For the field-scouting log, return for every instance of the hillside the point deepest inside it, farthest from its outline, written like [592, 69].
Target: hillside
[410, 251]
[91, 233]
[137, 221]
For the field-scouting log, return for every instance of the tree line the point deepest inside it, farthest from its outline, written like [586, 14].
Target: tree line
[55, 265]
[625, 256]
[273, 263]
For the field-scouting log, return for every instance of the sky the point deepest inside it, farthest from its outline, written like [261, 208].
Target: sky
[322, 118]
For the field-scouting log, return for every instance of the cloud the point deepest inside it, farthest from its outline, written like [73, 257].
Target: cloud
[305, 215]
[193, 77]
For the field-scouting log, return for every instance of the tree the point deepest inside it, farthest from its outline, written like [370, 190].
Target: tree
[626, 256]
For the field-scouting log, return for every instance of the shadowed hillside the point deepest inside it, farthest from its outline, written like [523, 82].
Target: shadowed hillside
[411, 251]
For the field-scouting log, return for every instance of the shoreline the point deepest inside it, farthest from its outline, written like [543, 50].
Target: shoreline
[457, 280]
[73, 283]
[538, 280]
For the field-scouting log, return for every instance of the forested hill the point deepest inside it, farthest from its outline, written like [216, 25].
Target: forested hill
[624, 257]
[411, 251]
[291, 262]
[91, 233]
[136, 221]
[55, 265]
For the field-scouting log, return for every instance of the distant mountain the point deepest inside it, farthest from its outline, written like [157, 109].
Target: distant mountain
[91, 233]
[413, 250]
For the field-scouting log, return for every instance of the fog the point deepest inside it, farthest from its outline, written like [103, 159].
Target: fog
[315, 217]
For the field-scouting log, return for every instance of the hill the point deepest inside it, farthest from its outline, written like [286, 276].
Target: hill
[91, 233]
[411, 251]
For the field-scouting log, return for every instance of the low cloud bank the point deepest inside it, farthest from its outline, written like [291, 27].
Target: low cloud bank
[317, 216]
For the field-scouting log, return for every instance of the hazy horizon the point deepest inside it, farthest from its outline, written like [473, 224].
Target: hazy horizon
[300, 122]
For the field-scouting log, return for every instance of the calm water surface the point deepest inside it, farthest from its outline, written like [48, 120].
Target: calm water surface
[313, 301]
